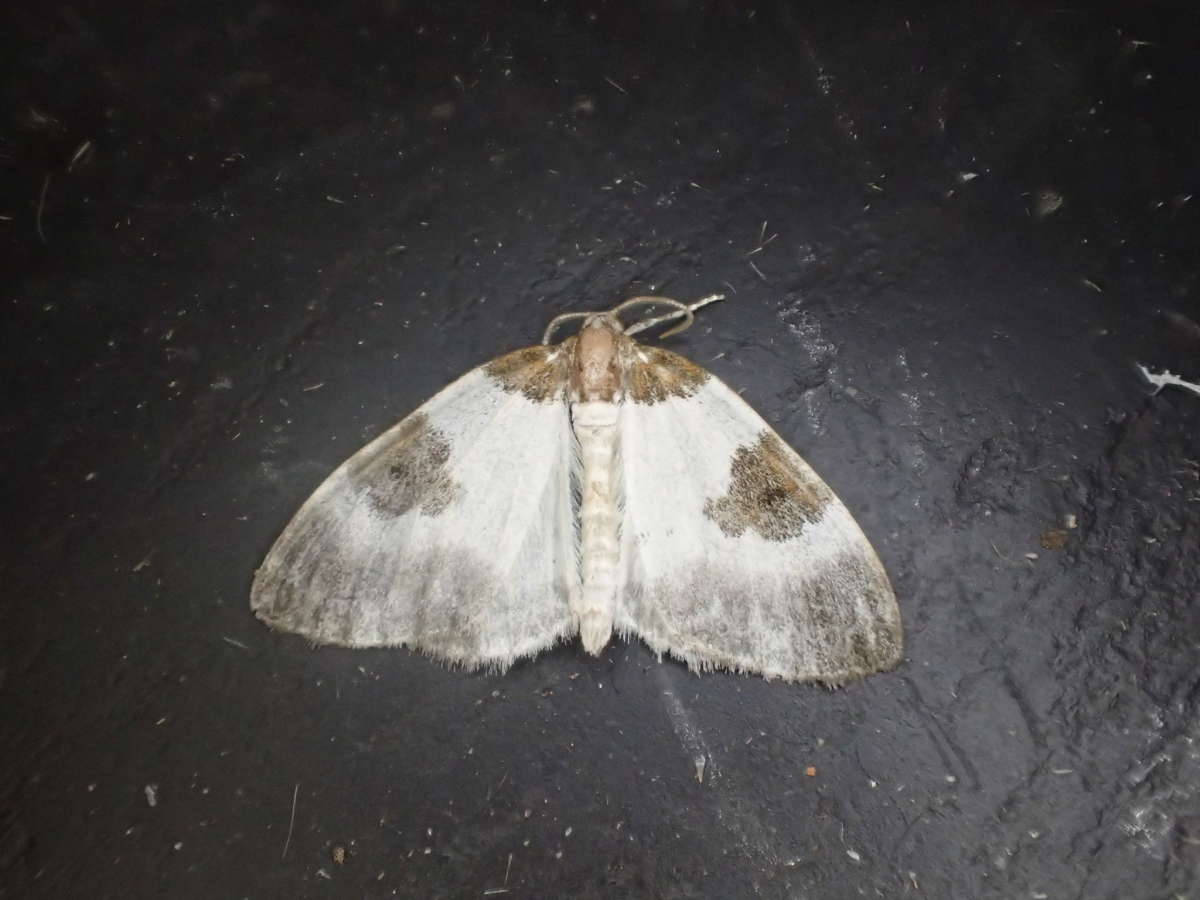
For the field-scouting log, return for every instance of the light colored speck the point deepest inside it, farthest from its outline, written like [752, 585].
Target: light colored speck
[567, 833]
[151, 792]
[1046, 202]
[854, 855]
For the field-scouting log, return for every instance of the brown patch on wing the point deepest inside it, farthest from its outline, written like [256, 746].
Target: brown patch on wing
[767, 494]
[416, 475]
[661, 375]
[540, 373]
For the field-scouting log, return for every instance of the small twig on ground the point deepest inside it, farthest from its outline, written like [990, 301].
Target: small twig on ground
[81, 151]
[291, 821]
[41, 206]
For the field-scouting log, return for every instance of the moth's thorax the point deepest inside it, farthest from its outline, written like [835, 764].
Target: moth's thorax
[596, 367]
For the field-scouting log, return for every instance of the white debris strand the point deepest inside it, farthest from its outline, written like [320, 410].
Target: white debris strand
[1164, 379]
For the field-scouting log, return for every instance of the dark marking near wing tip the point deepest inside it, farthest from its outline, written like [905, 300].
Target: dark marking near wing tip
[664, 374]
[859, 656]
[863, 572]
[767, 494]
[416, 472]
[540, 373]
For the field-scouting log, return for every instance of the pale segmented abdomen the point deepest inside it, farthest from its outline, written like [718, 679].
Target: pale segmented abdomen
[595, 425]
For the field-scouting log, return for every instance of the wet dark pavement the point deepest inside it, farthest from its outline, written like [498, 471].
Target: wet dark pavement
[241, 241]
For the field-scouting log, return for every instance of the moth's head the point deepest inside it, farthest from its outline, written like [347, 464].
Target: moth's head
[601, 323]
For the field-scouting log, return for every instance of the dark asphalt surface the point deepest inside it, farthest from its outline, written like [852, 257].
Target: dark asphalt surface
[241, 240]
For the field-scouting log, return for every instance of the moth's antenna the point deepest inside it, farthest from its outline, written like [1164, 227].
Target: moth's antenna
[686, 310]
[558, 320]
[680, 310]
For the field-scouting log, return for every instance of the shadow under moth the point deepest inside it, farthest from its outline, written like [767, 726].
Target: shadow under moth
[585, 487]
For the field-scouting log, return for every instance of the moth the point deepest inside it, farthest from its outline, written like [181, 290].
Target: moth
[592, 486]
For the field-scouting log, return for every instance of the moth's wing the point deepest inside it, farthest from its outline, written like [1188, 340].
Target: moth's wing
[735, 554]
[452, 533]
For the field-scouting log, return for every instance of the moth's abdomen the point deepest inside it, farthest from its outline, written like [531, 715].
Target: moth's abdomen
[595, 425]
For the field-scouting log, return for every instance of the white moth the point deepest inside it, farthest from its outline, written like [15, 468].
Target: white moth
[586, 487]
